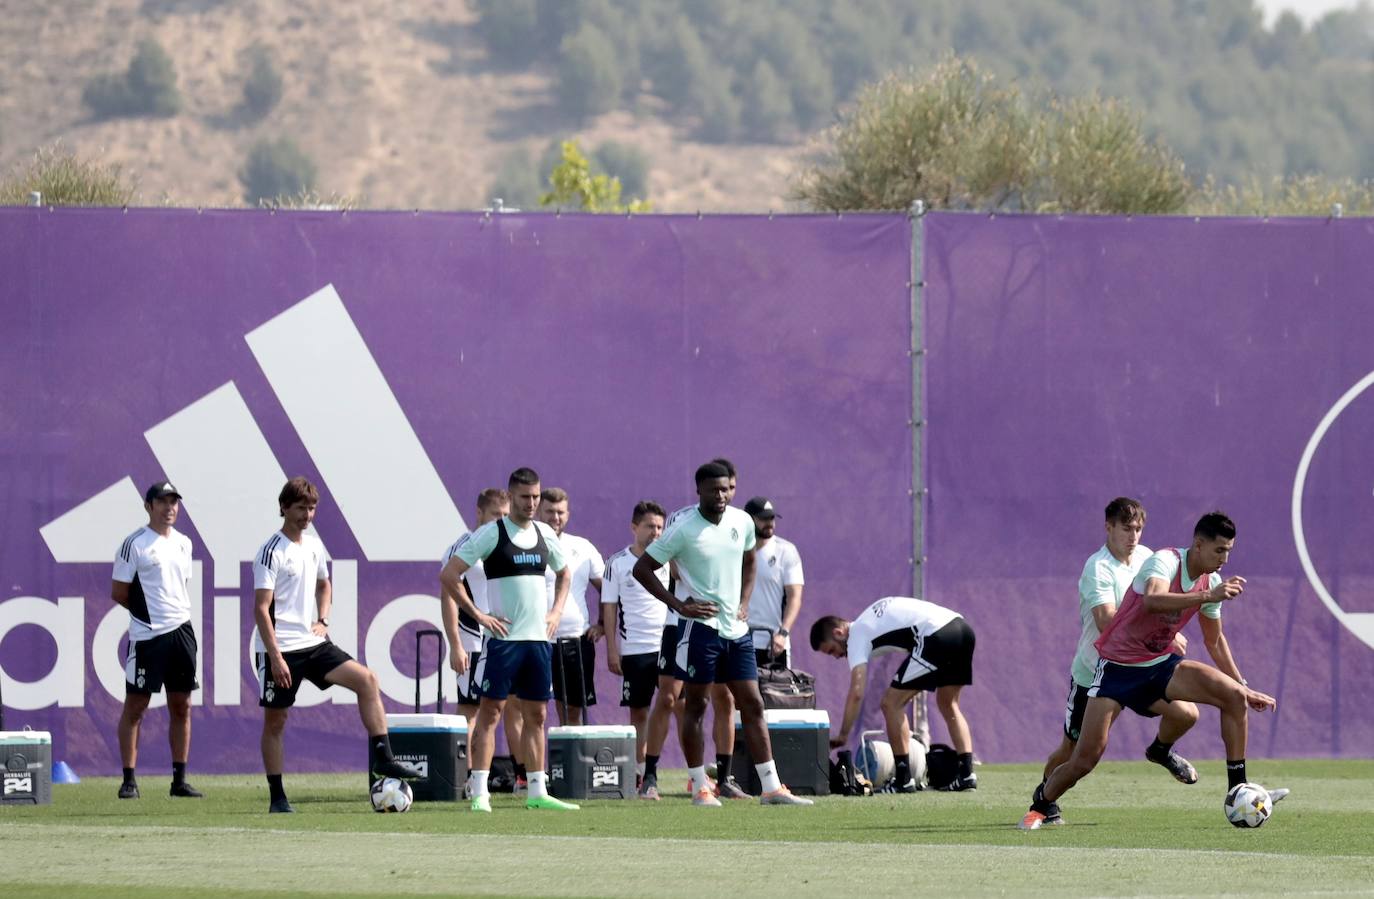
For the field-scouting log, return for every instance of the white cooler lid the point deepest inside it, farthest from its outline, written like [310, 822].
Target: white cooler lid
[25, 736]
[427, 722]
[592, 732]
[792, 718]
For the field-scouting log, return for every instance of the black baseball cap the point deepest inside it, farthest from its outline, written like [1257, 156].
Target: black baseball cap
[761, 507]
[161, 489]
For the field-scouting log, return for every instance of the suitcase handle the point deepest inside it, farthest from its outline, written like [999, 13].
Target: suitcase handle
[438, 636]
[772, 656]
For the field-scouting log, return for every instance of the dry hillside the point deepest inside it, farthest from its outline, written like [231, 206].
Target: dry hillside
[396, 102]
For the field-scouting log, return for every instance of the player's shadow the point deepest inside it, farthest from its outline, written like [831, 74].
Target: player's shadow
[945, 828]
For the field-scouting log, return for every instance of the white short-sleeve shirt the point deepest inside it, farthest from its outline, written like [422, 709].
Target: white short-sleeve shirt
[469, 633]
[1104, 580]
[584, 565]
[157, 570]
[777, 564]
[893, 624]
[291, 570]
[640, 618]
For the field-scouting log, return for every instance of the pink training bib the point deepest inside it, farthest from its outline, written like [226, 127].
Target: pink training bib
[1135, 635]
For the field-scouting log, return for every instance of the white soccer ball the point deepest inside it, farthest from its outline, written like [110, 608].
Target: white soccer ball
[1248, 805]
[391, 794]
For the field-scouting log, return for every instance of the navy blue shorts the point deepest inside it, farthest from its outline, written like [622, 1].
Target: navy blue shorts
[667, 651]
[522, 667]
[705, 657]
[1136, 688]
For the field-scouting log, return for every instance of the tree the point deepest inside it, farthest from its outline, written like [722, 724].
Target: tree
[147, 88]
[768, 112]
[65, 179]
[262, 88]
[575, 187]
[517, 182]
[276, 168]
[625, 162]
[588, 78]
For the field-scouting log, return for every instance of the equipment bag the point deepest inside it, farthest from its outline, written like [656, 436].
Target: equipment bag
[844, 779]
[782, 687]
[942, 766]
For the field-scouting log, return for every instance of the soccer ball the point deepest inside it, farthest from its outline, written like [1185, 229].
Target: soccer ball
[1248, 805]
[390, 794]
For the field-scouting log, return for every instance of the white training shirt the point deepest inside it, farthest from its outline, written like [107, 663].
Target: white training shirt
[476, 579]
[584, 565]
[290, 570]
[640, 618]
[894, 624]
[1104, 580]
[777, 565]
[158, 571]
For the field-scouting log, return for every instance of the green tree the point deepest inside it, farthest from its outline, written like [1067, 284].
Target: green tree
[65, 179]
[147, 88]
[517, 182]
[262, 87]
[276, 168]
[588, 77]
[625, 162]
[510, 30]
[768, 112]
[575, 187]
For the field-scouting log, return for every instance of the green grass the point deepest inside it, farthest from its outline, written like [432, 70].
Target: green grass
[1133, 832]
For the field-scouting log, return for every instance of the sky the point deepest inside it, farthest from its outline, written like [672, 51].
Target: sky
[1307, 10]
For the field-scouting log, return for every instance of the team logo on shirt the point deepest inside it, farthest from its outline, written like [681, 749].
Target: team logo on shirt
[772, 560]
[734, 533]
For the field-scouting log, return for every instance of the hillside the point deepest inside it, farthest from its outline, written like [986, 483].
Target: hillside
[395, 102]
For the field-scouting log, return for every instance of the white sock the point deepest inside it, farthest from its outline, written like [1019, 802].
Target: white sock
[640, 767]
[478, 779]
[698, 775]
[768, 776]
[538, 784]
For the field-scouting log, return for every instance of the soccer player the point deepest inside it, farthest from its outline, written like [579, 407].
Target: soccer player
[938, 644]
[574, 645]
[1137, 668]
[1106, 577]
[635, 636]
[152, 571]
[291, 601]
[713, 546]
[515, 551]
[464, 633]
[777, 586]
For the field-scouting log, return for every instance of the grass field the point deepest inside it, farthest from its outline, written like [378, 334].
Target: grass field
[1133, 832]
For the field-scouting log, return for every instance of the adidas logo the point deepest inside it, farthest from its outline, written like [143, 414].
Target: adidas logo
[353, 428]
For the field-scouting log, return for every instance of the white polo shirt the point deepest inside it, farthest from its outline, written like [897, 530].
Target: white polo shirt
[640, 617]
[584, 565]
[291, 570]
[777, 565]
[158, 571]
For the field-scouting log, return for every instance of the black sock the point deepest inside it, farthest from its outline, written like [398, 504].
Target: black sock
[380, 745]
[1235, 772]
[129, 776]
[178, 772]
[723, 766]
[274, 785]
[1158, 749]
[902, 764]
[965, 764]
[520, 773]
[651, 766]
[1038, 797]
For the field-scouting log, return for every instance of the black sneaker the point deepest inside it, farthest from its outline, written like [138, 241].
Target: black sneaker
[908, 787]
[186, 791]
[280, 806]
[396, 768]
[960, 784]
[128, 790]
[1175, 764]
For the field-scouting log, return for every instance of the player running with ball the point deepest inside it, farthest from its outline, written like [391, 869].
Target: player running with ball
[1137, 669]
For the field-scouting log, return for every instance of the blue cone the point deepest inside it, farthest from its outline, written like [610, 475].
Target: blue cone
[62, 773]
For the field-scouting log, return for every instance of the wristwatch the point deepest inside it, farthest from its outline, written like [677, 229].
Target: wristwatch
[324, 621]
[783, 632]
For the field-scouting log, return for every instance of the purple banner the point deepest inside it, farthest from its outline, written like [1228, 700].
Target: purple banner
[404, 362]
[1193, 364]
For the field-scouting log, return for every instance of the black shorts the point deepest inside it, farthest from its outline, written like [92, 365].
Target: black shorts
[641, 679]
[943, 659]
[667, 651]
[311, 664]
[167, 660]
[577, 678]
[469, 687]
[1074, 707]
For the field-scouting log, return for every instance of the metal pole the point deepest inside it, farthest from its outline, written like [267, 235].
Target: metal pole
[920, 724]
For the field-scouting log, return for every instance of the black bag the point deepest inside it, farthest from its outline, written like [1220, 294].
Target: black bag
[502, 776]
[942, 766]
[785, 688]
[844, 779]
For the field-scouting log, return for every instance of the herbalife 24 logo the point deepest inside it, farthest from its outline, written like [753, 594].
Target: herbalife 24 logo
[346, 415]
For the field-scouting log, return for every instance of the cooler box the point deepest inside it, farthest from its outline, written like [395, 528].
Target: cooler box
[438, 746]
[26, 765]
[801, 749]
[592, 762]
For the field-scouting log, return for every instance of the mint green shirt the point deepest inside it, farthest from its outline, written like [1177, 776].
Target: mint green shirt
[521, 600]
[709, 561]
[1104, 580]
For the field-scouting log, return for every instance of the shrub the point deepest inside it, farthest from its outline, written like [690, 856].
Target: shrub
[65, 179]
[575, 187]
[517, 183]
[276, 168]
[147, 88]
[625, 162]
[262, 88]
